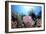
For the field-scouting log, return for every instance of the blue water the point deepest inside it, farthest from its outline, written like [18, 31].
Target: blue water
[25, 10]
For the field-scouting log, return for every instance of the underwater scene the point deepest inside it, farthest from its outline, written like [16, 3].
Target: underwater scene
[25, 16]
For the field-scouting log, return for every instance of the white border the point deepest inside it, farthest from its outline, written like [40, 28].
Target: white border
[25, 29]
